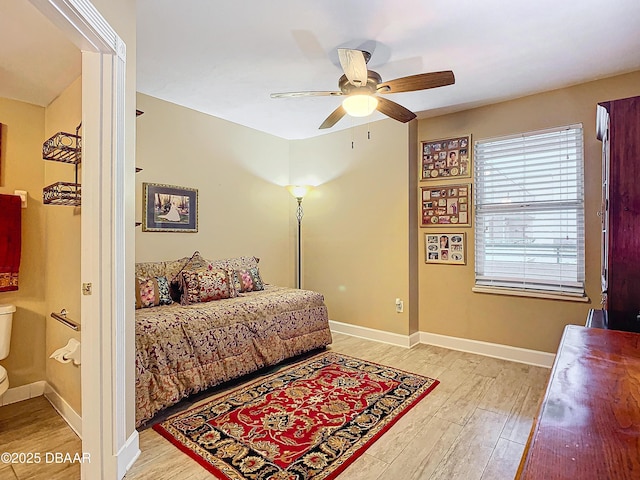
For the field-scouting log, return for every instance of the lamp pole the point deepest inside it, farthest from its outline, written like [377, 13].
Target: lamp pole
[298, 192]
[299, 214]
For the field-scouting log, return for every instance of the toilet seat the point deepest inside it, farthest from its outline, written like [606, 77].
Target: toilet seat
[3, 374]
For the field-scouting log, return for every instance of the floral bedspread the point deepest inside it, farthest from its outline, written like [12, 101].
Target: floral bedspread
[181, 350]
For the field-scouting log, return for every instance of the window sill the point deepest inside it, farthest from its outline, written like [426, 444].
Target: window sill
[531, 294]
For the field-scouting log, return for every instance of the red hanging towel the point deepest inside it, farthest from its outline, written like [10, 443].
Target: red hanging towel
[10, 241]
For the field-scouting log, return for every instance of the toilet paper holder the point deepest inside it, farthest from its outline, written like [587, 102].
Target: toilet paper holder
[71, 352]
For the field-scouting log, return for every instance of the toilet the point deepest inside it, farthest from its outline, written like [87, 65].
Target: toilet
[6, 319]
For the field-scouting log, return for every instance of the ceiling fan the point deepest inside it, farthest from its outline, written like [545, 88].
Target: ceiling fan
[362, 89]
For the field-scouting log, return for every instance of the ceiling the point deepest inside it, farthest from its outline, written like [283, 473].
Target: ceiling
[36, 61]
[225, 58]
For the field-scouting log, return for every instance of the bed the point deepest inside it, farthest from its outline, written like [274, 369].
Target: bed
[184, 349]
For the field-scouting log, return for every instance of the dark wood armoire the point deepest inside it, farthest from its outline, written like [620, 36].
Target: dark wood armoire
[618, 127]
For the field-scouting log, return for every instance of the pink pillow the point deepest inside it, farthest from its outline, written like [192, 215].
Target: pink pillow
[151, 292]
[248, 280]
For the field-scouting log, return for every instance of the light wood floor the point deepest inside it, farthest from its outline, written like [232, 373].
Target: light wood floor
[472, 426]
[31, 427]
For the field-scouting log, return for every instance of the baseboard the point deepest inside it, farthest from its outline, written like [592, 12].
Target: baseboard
[414, 339]
[370, 334]
[23, 392]
[64, 409]
[125, 457]
[128, 454]
[37, 389]
[495, 350]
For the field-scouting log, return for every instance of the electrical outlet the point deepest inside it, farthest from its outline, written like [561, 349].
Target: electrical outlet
[399, 305]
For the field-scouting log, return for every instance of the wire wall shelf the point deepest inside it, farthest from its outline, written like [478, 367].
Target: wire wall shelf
[67, 148]
[62, 193]
[63, 147]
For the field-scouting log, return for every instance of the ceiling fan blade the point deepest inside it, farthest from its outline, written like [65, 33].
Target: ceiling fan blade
[332, 119]
[395, 110]
[354, 65]
[305, 94]
[422, 81]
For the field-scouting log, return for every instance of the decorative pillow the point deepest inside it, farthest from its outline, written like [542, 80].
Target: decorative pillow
[174, 269]
[207, 285]
[235, 263]
[248, 280]
[151, 292]
[151, 269]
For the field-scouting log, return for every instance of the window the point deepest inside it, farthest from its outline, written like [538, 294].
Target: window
[529, 212]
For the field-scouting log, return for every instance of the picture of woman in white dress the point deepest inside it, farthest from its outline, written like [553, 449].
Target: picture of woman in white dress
[171, 208]
[173, 215]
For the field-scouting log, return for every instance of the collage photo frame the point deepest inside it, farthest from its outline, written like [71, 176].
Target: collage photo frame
[447, 158]
[445, 248]
[445, 205]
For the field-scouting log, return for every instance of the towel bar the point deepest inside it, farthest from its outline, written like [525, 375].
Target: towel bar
[62, 318]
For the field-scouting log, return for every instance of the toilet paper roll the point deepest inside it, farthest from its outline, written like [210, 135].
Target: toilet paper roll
[58, 356]
[74, 355]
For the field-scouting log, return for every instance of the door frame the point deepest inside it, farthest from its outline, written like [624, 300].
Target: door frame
[107, 397]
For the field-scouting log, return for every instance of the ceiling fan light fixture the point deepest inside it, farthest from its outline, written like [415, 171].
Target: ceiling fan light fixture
[364, 91]
[360, 105]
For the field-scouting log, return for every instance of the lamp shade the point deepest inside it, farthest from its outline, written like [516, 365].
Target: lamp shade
[360, 105]
[298, 191]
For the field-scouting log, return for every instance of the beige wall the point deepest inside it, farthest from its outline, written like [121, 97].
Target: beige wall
[62, 266]
[243, 208]
[21, 169]
[360, 241]
[356, 222]
[447, 305]
[50, 265]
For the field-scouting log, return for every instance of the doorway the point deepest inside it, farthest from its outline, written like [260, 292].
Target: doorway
[107, 382]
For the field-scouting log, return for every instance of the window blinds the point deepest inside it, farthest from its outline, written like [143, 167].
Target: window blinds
[529, 211]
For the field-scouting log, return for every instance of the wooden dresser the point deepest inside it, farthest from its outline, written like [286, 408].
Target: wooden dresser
[588, 425]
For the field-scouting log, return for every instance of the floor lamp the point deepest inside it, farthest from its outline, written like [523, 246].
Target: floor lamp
[298, 192]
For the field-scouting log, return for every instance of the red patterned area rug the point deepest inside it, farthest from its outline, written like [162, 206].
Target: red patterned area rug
[307, 421]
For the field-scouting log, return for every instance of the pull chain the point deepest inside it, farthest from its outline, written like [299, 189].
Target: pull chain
[352, 135]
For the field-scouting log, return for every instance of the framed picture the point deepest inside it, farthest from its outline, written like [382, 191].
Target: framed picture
[445, 248]
[167, 208]
[446, 158]
[445, 205]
